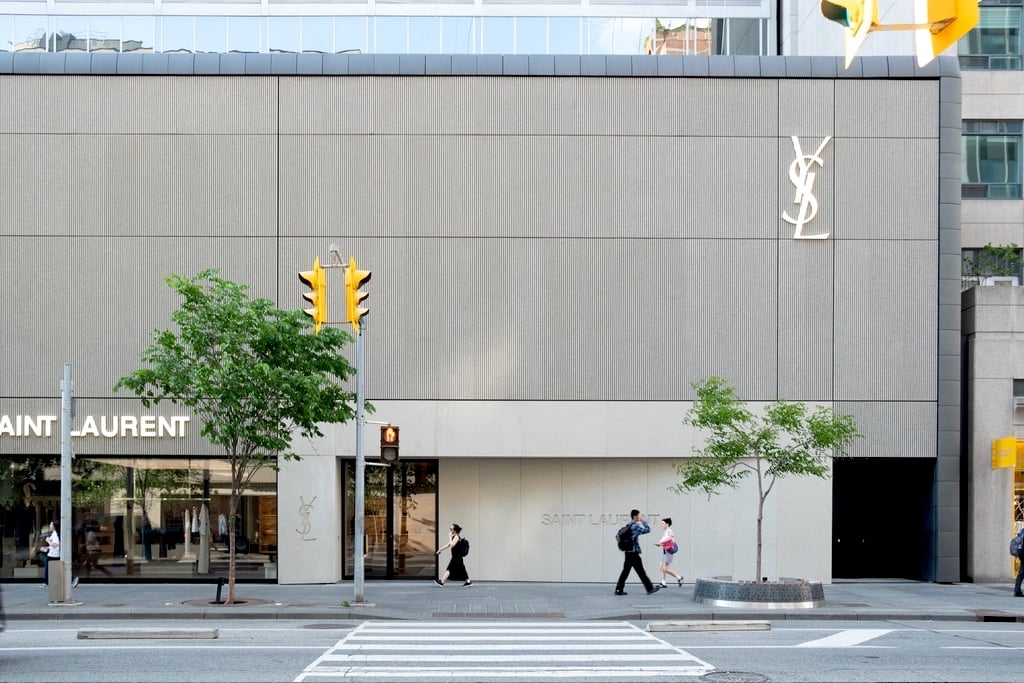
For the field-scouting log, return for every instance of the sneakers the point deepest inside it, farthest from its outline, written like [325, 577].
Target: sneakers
[468, 583]
[680, 582]
[438, 582]
[663, 584]
[654, 589]
[74, 582]
[621, 593]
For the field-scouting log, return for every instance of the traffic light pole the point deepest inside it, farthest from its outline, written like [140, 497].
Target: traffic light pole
[358, 551]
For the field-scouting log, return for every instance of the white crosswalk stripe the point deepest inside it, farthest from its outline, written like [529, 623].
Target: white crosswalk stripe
[504, 650]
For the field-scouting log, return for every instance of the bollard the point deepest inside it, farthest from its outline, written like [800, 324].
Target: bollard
[220, 584]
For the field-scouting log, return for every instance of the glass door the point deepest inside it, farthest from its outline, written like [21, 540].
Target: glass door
[400, 519]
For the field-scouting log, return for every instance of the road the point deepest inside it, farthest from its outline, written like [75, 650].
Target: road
[518, 650]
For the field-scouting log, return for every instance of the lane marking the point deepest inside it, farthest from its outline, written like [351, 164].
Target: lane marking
[848, 638]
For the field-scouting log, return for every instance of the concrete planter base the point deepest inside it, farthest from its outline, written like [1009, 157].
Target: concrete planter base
[786, 593]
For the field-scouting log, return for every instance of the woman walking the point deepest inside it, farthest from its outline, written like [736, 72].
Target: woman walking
[456, 569]
[667, 542]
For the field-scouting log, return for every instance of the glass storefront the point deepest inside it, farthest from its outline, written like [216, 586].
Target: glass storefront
[137, 518]
[400, 522]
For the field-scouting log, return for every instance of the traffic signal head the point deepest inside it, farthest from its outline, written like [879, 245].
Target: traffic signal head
[354, 279]
[316, 279]
[946, 22]
[858, 17]
[389, 444]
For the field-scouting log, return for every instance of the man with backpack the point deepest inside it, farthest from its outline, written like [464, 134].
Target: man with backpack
[636, 528]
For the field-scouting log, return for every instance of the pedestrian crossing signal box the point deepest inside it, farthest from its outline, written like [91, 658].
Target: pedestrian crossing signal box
[389, 444]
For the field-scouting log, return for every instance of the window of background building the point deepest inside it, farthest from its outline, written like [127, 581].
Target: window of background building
[995, 42]
[991, 160]
[317, 34]
[284, 34]
[138, 34]
[992, 265]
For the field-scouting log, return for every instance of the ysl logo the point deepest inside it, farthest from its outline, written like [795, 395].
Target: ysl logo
[800, 174]
[304, 511]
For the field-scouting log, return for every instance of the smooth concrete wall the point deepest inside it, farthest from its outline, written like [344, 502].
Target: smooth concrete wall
[309, 510]
[555, 520]
[994, 335]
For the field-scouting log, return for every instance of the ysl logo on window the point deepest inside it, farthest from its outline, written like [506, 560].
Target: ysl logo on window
[801, 176]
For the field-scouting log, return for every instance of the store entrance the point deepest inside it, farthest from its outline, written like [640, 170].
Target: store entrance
[400, 520]
[881, 518]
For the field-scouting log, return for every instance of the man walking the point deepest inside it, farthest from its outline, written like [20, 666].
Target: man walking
[638, 527]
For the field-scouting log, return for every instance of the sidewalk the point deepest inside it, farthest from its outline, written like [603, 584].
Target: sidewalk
[844, 600]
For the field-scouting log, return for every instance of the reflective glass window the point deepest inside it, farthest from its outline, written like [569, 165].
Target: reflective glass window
[285, 34]
[104, 34]
[390, 35]
[564, 35]
[71, 34]
[350, 34]
[6, 33]
[133, 513]
[991, 159]
[245, 34]
[617, 36]
[497, 35]
[995, 42]
[177, 34]
[138, 34]
[30, 33]
[317, 34]
[531, 35]
[211, 34]
[424, 35]
[458, 35]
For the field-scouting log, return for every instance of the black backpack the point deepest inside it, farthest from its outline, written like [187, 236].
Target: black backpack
[624, 538]
[461, 549]
[1015, 544]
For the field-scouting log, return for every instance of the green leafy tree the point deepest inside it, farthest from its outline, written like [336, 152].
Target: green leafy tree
[253, 374]
[991, 261]
[787, 439]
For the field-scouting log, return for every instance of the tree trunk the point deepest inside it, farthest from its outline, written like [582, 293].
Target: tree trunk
[760, 518]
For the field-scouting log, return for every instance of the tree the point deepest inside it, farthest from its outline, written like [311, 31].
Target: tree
[253, 374]
[786, 440]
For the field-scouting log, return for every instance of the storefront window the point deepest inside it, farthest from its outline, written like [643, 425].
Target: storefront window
[138, 518]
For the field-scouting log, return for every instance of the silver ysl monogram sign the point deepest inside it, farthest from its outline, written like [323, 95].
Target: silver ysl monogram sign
[801, 175]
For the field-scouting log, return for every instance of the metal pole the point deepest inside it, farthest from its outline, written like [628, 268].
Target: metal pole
[67, 534]
[359, 576]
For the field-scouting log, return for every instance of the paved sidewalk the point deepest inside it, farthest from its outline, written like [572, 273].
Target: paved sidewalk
[844, 600]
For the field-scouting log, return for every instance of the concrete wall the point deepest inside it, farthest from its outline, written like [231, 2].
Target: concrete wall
[994, 355]
[581, 238]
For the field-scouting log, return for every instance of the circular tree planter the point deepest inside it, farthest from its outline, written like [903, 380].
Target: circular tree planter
[786, 593]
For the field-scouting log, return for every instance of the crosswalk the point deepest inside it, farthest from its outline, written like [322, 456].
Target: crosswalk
[502, 650]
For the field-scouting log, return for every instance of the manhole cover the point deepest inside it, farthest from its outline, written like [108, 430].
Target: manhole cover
[733, 677]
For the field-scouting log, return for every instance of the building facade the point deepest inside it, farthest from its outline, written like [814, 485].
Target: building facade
[560, 246]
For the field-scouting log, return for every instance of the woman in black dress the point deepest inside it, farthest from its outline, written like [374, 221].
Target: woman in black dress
[456, 569]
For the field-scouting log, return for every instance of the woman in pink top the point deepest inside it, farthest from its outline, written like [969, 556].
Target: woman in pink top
[668, 540]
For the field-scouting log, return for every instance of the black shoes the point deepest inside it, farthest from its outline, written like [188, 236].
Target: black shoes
[468, 583]
[1018, 595]
[438, 582]
[621, 593]
[654, 589]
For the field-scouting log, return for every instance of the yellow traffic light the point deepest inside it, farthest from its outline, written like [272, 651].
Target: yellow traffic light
[389, 443]
[316, 279]
[858, 17]
[354, 279]
[943, 23]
